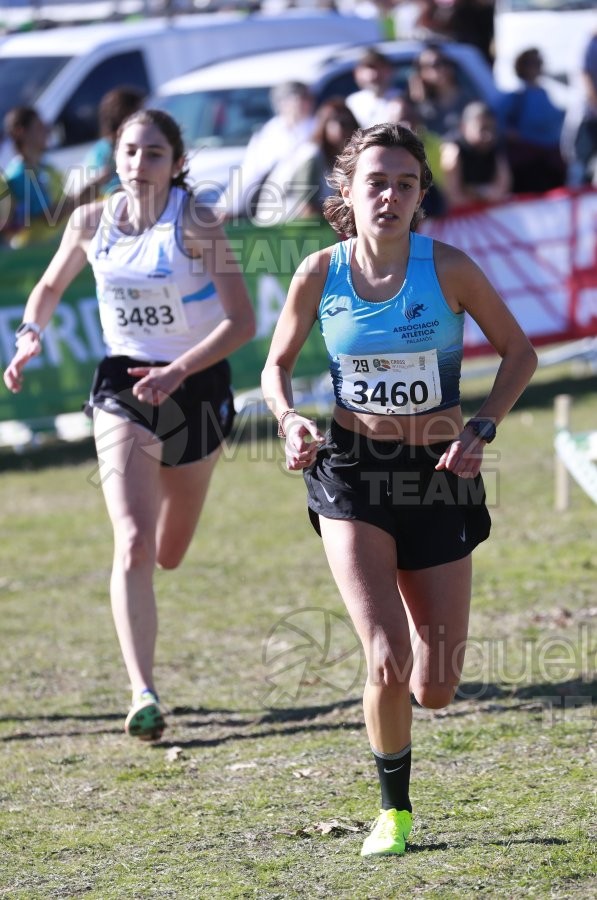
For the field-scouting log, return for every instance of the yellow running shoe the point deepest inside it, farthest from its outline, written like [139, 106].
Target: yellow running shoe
[390, 833]
[145, 720]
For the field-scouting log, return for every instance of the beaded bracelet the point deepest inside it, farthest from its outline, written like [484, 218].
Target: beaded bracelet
[287, 412]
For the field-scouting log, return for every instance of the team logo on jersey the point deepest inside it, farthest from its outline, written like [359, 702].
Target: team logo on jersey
[414, 311]
[163, 267]
[336, 310]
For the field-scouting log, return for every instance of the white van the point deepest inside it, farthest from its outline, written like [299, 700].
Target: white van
[65, 71]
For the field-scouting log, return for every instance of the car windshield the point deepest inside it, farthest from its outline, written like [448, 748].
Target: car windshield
[224, 118]
[230, 116]
[23, 78]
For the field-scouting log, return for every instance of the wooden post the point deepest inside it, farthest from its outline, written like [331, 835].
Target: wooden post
[562, 405]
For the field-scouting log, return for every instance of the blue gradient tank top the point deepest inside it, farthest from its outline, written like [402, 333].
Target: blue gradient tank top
[396, 357]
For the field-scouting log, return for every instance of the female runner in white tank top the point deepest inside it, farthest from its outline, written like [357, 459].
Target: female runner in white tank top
[173, 306]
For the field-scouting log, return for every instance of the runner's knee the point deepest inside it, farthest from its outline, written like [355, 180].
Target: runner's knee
[389, 663]
[169, 559]
[434, 696]
[172, 547]
[134, 547]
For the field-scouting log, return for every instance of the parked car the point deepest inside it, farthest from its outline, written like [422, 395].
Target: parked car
[222, 105]
[64, 72]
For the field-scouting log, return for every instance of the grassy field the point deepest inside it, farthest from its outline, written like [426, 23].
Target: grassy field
[263, 786]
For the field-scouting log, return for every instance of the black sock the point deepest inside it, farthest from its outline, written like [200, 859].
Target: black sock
[394, 778]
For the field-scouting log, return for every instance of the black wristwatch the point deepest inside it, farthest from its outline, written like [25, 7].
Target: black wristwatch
[483, 428]
[25, 328]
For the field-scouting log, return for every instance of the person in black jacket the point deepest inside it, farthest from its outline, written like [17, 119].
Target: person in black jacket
[474, 167]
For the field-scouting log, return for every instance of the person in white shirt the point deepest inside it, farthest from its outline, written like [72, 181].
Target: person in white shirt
[291, 126]
[373, 75]
[297, 186]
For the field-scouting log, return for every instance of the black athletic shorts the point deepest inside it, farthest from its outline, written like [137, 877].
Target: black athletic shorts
[435, 517]
[191, 423]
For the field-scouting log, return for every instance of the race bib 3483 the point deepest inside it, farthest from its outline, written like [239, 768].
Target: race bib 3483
[143, 310]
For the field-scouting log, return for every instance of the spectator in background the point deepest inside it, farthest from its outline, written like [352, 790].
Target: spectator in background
[471, 22]
[7, 149]
[100, 168]
[432, 20]
[297, 185]
[403, 111]
[373, 74]
[5, 208]
[475, 169]
[533, 128]
[585, 142]
[464, 21]
[38, 202]
[434, 87]
[291, 125]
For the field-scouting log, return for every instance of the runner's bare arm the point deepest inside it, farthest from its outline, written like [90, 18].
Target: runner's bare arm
[68, 261]
[296, 320]
[210, 251]
[467, 287]
[298, 316]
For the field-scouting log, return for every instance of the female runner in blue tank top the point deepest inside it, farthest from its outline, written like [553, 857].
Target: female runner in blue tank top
[172, 306]
[394, 487]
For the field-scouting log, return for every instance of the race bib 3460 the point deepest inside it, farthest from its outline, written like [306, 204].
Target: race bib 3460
[390, 383]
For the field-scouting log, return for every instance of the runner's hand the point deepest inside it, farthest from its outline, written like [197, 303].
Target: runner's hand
[464, 456]
[155, 384]
[303, 438]
[28, 346]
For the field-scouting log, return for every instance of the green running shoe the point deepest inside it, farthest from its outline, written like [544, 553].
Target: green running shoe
[145, 720]
[390, 833]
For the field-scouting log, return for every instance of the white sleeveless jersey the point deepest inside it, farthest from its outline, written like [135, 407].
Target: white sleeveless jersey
[155, 301]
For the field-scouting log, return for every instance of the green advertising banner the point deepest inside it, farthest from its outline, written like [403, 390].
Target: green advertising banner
[58, 381]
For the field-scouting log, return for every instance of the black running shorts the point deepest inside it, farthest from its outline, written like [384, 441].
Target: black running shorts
[435, 517]
[191, 423]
